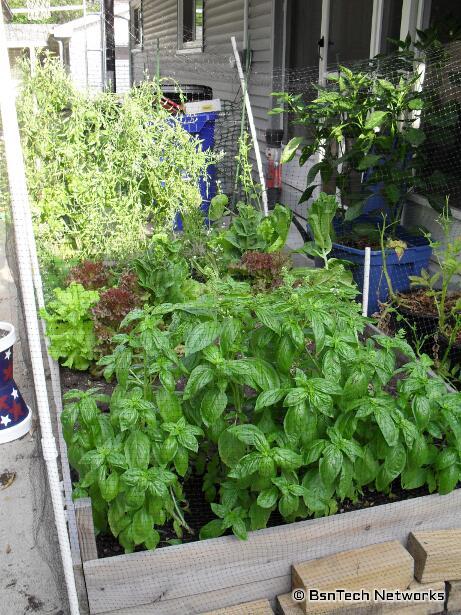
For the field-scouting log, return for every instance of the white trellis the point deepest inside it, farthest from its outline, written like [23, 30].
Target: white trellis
[32, 294]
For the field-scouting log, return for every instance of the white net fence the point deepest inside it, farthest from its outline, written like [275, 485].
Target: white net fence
[295, 483]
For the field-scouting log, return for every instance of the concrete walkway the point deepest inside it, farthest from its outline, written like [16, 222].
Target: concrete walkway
[31, 579]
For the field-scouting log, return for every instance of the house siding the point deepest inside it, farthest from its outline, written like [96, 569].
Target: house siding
[215, 66]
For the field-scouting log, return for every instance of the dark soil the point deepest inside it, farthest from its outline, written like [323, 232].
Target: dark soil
[71, 379]
[359, 243]
[3, 333]
[417, 302]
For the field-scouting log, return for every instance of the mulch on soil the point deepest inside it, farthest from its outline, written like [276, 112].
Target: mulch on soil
[71, 379]
[417, 302]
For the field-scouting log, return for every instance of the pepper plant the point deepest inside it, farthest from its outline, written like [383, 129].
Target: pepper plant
[361, 123]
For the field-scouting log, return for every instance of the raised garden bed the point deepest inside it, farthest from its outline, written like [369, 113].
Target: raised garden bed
[201, 576]
[212, 574]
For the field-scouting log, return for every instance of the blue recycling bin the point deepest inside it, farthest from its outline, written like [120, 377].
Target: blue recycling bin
[201, 126]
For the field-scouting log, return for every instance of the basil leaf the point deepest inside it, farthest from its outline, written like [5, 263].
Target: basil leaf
[137, 450]
[202, 336]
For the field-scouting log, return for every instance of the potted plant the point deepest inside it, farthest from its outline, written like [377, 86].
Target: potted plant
[15, 415]
[439, 290]
[364, 130]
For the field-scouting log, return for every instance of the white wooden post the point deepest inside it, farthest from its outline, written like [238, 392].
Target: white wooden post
[251, 122]
[20, 213]
[366, 282]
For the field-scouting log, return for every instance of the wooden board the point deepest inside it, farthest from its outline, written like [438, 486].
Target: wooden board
[85, 529]
[259, 607]
[387, 565]
[437, 554]
[191, 605]
[454, 596]
[211, 573]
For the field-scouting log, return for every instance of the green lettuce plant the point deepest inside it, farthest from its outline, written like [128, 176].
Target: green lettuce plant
[249, 229]
[164, 272]
[69, 326]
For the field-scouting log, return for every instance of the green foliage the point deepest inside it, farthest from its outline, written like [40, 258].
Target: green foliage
[278, 400]
[125, 462]
[164, 272]
[101, 170]
[362, 122]
[320, 218]
[251, 230]
[69, 326]
[447, 252]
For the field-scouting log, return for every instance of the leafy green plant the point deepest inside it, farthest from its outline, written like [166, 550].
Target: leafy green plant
[102, 172]
[320, 218]
[361, 122]
[164, 272]
[438, 286]
[250, 230]
[279, 401]
[69, 326]
[124, 462]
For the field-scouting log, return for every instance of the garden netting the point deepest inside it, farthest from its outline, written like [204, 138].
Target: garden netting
[428, 176]
[228, 572]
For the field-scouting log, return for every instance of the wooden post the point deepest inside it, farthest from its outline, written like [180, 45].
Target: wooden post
[85, 529]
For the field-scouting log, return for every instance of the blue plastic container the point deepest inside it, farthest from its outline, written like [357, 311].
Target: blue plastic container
[415, 258]
[202, 126]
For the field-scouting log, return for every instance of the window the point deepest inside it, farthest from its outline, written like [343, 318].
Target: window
[190, 24]
[350, 31]
[391, 22]
[136, 26]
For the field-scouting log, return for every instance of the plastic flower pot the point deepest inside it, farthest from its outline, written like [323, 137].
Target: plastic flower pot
[415, 258]
[15, 415]
[201, 126]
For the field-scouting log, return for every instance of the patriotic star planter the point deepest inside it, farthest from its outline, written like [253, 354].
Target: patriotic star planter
[15, 415]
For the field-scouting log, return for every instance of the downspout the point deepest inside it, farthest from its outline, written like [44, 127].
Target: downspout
[61, 51]
[246, 12]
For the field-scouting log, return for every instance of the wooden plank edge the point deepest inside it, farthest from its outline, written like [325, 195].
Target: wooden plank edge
[228, 544]
[198, 604]
[85, 529]
[166, 571]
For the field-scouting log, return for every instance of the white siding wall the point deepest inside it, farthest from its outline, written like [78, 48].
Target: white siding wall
[122, 56]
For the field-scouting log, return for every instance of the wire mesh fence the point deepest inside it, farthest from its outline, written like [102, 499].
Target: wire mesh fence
[199, 576]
